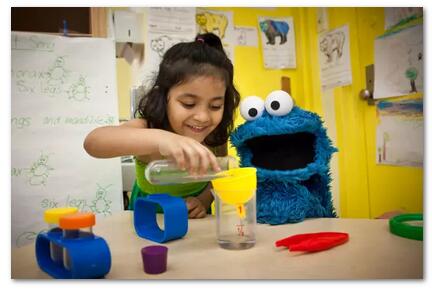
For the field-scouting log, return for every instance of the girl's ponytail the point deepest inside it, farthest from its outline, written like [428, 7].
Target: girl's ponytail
[211, 40]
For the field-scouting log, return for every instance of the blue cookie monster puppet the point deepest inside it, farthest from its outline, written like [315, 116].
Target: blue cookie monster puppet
[291, 151]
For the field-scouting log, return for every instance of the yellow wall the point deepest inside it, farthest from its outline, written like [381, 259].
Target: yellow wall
[354, 197]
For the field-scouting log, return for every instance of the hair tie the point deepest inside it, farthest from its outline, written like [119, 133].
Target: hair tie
[200, 39]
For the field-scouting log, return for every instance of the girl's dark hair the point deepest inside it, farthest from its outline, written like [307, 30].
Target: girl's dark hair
[203, 57]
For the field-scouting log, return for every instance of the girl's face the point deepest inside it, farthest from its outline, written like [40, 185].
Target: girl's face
[195, 108]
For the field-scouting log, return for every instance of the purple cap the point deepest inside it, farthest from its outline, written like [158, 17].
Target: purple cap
[154, 259]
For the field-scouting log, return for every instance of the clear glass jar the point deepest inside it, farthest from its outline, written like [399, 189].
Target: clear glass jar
[165, 172]
[235, 230]
[236, 208]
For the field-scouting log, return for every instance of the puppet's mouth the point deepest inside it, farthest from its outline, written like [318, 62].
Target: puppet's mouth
[282, 152]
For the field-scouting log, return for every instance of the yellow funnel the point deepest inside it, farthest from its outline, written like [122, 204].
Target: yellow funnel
[237, 188]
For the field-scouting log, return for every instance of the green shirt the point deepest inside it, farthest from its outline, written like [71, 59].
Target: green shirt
[143, 188]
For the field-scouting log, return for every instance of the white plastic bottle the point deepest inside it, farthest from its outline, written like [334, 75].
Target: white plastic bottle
[165, 172]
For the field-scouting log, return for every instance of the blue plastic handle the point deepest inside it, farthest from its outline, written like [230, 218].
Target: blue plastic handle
[175, 217]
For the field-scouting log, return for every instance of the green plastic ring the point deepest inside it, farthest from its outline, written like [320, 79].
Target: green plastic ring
[400, 228]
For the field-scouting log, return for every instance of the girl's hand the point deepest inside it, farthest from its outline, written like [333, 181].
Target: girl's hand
[189, 154]
[195, 208]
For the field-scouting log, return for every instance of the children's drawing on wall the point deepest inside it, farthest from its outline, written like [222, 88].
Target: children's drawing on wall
[399, 121]
[40, 171]
[162, 43]
[101, 205]
[241, 38]
[273, 29]
[79, 91]
[412, 72]
[56, 97]
[220, 23]
[37, 173]
[56, 81]
[166, 27]
[213, 22]
[159, 44]
[335, 59]
[57, 73]
[399, 63]
[398, 15]
[246, 36]
[278, 42]
[332, 46]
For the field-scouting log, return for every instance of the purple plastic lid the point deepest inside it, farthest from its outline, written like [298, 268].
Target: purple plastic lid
[154, 259]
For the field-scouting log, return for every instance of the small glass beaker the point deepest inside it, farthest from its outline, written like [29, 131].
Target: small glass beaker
[235, 206]
[233, 231]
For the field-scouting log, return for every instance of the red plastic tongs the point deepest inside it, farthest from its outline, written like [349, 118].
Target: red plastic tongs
[313, 242]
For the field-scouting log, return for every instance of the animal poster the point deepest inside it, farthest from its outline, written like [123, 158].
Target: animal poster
[399, 134]
[165, 26]
[335, 59]
[220, 23]
[61, 89]
[399, 63]
[246, 36]
[278, 42]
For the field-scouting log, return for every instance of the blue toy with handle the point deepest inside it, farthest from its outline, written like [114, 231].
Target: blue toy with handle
[175, 217]
[89, 256]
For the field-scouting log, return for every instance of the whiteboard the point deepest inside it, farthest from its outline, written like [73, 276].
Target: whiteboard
[62, 88]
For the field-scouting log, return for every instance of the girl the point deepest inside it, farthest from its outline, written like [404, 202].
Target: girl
[187, 113]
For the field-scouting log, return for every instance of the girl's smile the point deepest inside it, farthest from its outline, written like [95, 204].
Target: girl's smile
[196, 129]
[195, 107]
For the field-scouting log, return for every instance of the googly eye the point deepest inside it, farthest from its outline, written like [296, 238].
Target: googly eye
[251, 108]
[279, 103]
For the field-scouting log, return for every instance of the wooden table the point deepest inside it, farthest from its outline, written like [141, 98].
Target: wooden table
[371, 253]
